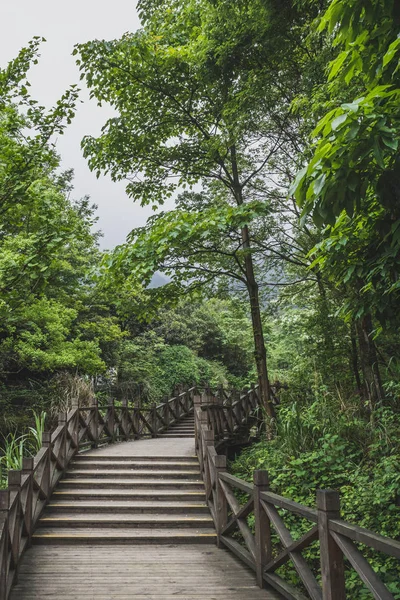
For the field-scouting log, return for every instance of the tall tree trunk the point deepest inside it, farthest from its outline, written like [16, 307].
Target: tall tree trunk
[369, 361]
[326, 329]
[260, 353]
[354, 359]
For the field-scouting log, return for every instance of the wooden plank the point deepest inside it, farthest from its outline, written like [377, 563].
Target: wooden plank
[242, 514]
[262, 526]
[363, 568]
[244, 528]
[237, 483]
[145, 573]
[240, 552]
[284, 588]
[297, 546]
[364, 536]
[290, 505]
[299, 562]
[331, 557]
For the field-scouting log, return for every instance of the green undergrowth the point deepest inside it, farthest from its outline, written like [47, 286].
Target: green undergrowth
[14, 447]
[359, 457]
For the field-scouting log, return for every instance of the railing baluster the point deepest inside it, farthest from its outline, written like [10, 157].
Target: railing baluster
[95, 423]
[221, 509]
[46, 473]
[111, 419]
[14, 486]
[124, 418]
[62, 455]
[27, 471]
[4, 510]
[208, 440]
[154, 420]
[332, 565]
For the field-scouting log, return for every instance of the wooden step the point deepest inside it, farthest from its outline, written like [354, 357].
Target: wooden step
[176, 435]
[115, 464]
[126, 506]
[183, 429]
[136, 495]
[132, 474]
[95, 457]
[79, 535]
[125, 521]
[131, 483]
[180, 430]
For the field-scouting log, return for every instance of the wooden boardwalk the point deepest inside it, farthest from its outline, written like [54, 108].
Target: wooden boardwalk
[129, 521]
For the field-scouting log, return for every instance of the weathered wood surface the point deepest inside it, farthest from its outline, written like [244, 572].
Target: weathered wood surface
[189, 572]
[135, 569]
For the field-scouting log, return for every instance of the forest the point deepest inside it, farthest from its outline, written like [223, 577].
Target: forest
[274, 125]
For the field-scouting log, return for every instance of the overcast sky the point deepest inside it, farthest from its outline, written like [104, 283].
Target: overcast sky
[64, 24]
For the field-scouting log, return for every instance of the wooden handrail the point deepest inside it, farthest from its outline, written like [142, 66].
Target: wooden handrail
[216, 421]
[83, 427]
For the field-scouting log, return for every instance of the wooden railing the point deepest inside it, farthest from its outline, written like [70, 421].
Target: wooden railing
[228, 414]
[29, 489]
[271, 545]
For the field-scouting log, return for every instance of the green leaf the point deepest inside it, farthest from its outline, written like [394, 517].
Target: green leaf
[337, 64]
[298, 179]
[338, 121]
[391, 52]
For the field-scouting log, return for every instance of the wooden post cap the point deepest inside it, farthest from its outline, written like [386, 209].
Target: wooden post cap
[46, 438]
[62, 418]
[260, 477]
[14, 478]
[220, 461]
[27, 464]
[208, 435]
[328, 500]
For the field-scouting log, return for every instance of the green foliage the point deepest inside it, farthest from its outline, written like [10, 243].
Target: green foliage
[15, 447]
[321, 446]
[36, 432]
[48, 253]
[351, 183]
[149, 368]
[218, 330]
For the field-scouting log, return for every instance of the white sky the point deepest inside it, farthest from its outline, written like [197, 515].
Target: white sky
[64, 24]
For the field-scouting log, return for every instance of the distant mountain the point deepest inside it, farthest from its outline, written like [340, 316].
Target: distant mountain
[158, 280]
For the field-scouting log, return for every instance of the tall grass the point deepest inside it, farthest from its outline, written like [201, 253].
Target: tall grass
[15, 447]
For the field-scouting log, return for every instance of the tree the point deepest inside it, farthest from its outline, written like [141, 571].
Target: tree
[357, 143]
[188, 114]
[48, 252]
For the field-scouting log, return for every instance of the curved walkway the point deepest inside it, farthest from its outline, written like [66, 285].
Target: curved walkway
[129, 521]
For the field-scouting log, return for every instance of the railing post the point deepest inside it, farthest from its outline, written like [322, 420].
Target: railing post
[332, 565]
[167, 415]
[27, 497]
[196, 410]
[111, 419]
[221, 509]
[208, 440]
[95, 423]
[136, 419]
[262, 526]
[4, 504]
[14, 486]
[62, 422]
[76, 423]
[46, 476]
[154, 420]
[124, 418]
